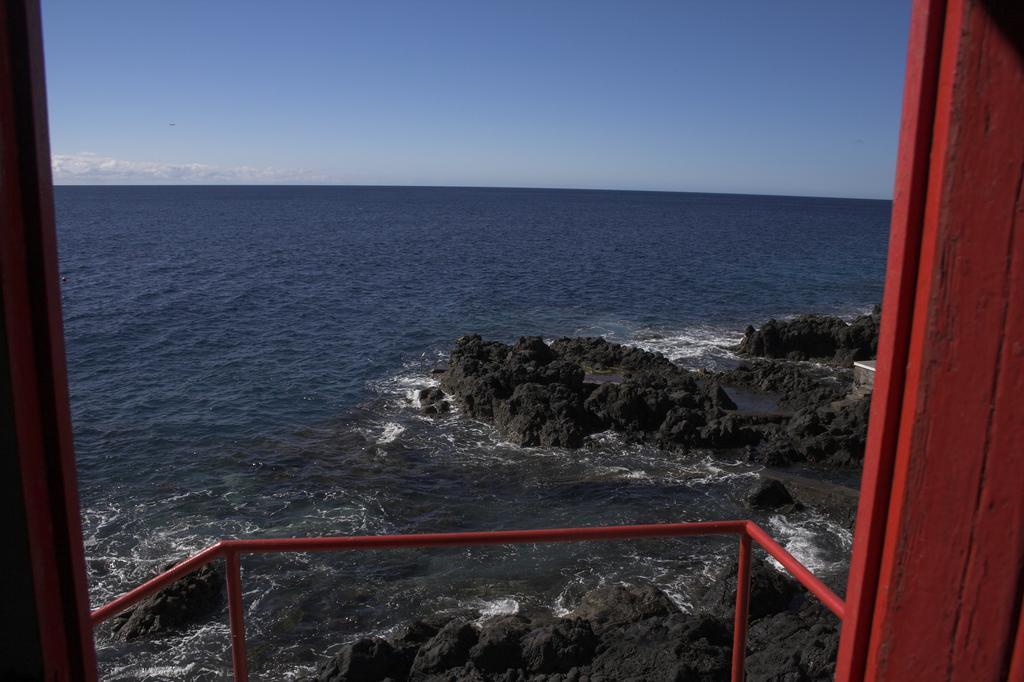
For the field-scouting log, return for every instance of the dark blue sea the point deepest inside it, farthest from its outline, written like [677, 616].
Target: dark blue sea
[242, 362]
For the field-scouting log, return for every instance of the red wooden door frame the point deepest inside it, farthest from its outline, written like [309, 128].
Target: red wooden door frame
[952, 570]
[937, 572]
[898, 304]
[35, 352]
[949, 46]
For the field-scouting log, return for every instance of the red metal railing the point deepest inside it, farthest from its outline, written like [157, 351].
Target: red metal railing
[232, 549]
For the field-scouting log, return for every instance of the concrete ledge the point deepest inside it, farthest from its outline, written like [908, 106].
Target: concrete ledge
[864, 375]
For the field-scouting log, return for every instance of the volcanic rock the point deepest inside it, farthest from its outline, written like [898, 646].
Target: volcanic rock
[498, 647]
[433, 401]
[796, 385]
[834, 436]
[544, 414]
[770, 494]
[366, 659]
[820, 337]
[598, 355]
[629, 632]
[449, 648]
[770, 592]
[619, 604]
[677, 647]
[559, 647]
[537, 394]
[189, 600]
[789, 645]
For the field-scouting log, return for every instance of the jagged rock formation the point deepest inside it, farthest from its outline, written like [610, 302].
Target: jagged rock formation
[772, 495]
[796, 385]
[618, 632]
[433, 401]
[537, 394]
[815, 337]
[189, 600]
[826, 426]
[833, 435]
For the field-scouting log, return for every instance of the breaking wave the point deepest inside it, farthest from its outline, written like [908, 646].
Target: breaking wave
[392, 430]
[698, 347]
[820, 544]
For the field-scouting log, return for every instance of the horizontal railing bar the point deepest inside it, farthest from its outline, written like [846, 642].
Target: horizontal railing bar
[797, 569]
[461, 539]
[501, 537]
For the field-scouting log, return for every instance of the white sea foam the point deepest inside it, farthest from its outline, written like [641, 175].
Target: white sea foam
[803, 539]
[699, 346]
[709, 471]
[608, 437]
[505, 606]
[159, 672]
[392, 430]
[403, 387]
[568, 598]
[174, 664]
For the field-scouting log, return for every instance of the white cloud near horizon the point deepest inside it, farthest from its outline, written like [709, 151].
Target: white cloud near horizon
[89, 168]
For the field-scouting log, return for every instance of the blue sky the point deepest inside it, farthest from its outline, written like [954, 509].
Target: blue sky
[785, 97]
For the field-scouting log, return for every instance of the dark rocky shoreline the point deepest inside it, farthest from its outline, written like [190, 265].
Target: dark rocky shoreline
[541, 395]
[191, 599]
[560, 394]
[618, 632]
[815, 337]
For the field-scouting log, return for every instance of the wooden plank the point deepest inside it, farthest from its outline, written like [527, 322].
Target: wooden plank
[35, 354]
[953, 561]
[912, 170]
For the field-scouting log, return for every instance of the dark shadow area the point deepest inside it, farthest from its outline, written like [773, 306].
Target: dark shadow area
[21, 656]
[1008, 15]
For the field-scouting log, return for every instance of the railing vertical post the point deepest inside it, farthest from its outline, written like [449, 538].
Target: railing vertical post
[237, 616]
[739, 638]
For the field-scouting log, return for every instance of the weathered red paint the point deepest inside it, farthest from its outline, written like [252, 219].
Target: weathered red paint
[742, 615]
[922, 73]
[35, 341]
[236, 614]
[950, 581]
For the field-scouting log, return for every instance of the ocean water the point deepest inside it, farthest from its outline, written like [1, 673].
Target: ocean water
[243, 362]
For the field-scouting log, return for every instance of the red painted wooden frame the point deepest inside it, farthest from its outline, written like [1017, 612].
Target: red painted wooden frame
[912, 165]
[952, 566]
[35, 349]
[937, 572]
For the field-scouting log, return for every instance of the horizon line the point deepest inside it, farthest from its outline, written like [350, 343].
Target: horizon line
[498, 187]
